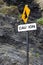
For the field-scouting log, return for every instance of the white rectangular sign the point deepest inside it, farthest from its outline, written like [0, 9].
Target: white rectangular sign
[27, 27]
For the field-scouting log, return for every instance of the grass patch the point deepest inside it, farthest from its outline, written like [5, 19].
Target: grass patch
[40, 21]
[1, 2]
[37, 55]
[9, 10]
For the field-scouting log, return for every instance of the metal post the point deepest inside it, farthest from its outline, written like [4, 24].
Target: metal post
[27, 40]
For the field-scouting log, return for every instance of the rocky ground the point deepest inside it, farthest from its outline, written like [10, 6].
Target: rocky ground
[11, 55]
[15, 55]
[13, 46]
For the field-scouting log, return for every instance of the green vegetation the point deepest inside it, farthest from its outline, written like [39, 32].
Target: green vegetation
[32, 49]
[40, 21]
[37, 55]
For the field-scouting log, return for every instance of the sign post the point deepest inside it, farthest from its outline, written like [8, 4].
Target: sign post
[26, 27]
[27, 40]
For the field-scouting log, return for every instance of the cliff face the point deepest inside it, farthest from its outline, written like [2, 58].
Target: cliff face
[35, 9]
[40, 2]
[13, 45]
[9, 20]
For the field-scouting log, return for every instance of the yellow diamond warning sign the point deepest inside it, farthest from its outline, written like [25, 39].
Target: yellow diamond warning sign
[26, 13]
